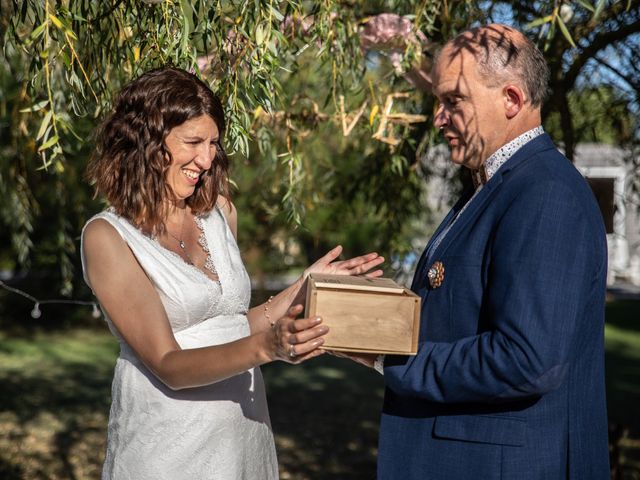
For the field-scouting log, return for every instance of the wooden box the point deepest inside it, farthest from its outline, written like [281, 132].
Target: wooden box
[371, 315]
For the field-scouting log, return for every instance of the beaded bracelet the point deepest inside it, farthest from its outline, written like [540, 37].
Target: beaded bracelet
[266, 311]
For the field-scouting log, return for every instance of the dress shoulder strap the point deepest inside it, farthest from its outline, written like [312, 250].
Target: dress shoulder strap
[137, 241]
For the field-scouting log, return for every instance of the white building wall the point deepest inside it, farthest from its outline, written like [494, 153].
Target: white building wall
[607, 161]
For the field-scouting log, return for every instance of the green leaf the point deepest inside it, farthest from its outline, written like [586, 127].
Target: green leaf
[537, 22]
[71, 33]
[65, 59]
[273, 47]
[56, 21]
[278, 16]
[45, 123]
[36, 107]
[599, 9]
[587, 6]
[565, 31]
[184, 40]
[38, 31]
[49, 143]
[259, 35]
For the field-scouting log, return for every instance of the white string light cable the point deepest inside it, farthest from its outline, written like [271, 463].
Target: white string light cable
[37, 313]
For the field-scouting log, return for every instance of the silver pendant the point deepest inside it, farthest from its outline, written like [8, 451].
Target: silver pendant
[182, 245]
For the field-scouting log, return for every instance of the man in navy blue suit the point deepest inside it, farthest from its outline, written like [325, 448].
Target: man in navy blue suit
[508, 382]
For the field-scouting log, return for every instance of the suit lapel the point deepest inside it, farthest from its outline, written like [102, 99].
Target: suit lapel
[421, 267]
[473, 210]
[538, 144]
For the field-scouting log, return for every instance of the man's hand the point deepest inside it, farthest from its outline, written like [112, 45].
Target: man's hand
[366, 359]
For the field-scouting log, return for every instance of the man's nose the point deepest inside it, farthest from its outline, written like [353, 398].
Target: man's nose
[441, 118]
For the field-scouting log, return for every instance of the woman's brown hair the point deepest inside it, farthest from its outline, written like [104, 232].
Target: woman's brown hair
[131, 159]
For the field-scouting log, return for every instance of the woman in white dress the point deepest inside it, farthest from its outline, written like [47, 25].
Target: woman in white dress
[188, 398]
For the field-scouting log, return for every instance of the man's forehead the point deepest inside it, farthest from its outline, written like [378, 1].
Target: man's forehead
[451, 56]
[453, 70]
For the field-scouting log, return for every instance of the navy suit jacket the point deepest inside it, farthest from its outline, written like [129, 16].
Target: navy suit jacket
[508, 382]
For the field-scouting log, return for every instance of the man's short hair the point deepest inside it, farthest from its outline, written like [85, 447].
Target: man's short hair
[501, 59]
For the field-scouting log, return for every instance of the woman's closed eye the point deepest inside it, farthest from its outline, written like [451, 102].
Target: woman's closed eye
[196, 142]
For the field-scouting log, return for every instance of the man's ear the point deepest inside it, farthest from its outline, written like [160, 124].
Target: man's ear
[513, 100]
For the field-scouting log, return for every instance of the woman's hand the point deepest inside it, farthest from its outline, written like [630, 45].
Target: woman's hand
[297, 292]
[361, 265]
[295, 341]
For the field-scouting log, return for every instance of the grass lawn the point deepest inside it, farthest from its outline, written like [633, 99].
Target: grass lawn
[55, 398]
[622, 366]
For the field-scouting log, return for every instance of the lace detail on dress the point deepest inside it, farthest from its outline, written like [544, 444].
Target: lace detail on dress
[202, 241]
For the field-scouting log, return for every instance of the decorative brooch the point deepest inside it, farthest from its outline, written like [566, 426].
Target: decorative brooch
[436, 274]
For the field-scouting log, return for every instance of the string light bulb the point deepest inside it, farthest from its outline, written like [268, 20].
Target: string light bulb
[36, 312]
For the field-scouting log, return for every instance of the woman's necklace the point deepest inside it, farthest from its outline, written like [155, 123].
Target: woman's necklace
[180, 240]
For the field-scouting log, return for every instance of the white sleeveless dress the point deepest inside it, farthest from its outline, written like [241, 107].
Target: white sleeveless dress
[220, 431]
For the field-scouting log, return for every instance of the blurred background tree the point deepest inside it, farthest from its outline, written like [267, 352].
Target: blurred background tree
[329, 115]
[591, 47]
